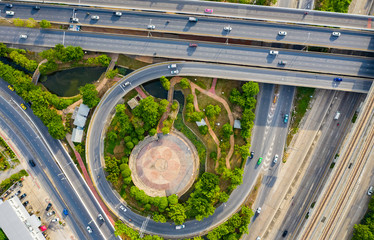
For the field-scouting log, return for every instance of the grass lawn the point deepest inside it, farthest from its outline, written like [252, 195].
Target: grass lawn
[129, 62]
[226, 86]
[302, 102]
[203, 82]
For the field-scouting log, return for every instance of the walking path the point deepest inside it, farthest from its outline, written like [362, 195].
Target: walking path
[140, 91]
[213, 88]
[36, 75]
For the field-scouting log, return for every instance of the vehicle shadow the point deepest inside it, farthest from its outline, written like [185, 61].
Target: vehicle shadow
[279, 38]
[188, 26]
[270, 58]
[190, 50]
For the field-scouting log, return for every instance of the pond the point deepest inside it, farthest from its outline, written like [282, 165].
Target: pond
[66, 83]
[157, 90]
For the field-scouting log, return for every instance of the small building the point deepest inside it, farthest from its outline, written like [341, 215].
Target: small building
[16, 222]
[201, 123]
[237, 124]
[133, 103]
[83, 110]
[77, 135]
[80, 121]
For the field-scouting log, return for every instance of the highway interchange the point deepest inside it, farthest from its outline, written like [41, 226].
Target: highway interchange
[309, 63]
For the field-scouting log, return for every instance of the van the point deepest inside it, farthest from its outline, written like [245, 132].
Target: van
[192, 19]
[337, 115]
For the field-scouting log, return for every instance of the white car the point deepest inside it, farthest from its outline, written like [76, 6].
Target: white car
[336, 34]
[151, 27]
[95, 17]
[370, 191]
[172, 65]
[122, 208]
[275, 158]
[9, 13]
[101, 217]
[118, 14]
[282, 33]
[75, 20]
[282, 62]
[180, 227]
[89, 229]
[50, 213]
[273, 52]
[55, 220]
[227, 28]
[258, 210]
[23, 36]
[175, 71]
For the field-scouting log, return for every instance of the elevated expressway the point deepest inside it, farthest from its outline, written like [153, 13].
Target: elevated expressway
[101, 119]
[207, 28]
[231, 10]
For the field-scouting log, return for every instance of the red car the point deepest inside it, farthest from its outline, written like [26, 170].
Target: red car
[208, 10]
[193, 45]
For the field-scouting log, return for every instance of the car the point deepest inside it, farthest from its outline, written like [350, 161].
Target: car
[18, 193]
[9, 13]
[273, 52]
[370, 191]
[122, 208]
[55, 220]
[126, 84]
[32, 163]
[275, 158]
[258, 211]
[37, 7]
[95, 17]
[23, 36]
[172, 65]
[65, 211]
[259, 161]
[338, 79]
[23, 106]
[25, 203]
[22, 196]
[285, 119]
[9, 5]
[51, 213]
[208, 10]
[48, 207]
[258, 238]
[336, 34]
[282, 62]
[75, 20]
[282, 33]
[192, 19]
[151, 27]
[101, 217]
[192, 45]
[284, 234]
[227, 28]
[176, 71]
[118, 14]
[180, 226]
[11, 88]
[89, 229]
[251, 155]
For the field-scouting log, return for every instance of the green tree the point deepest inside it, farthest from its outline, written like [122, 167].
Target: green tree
[177, 213]
[196, 116]
[165, 83]
[203, 129]
[165, 130]
[152, 132]
[89, 95]
[243, 151]
[159, 218]
[174, 106]
[112, 136]
[112, 73]
[362, 232]
[148, 111]
[184, 83]
[227, 130]
[130, 145]
[172, 199]
[19, 22]
[3, 50]
[31, 23]
[45, 24]
[212, 111]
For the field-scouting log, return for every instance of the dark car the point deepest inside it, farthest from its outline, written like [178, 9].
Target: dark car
[32, 163]
[37, 7]
[23, 196]
[25, 203]
[18, 193]
[9, 5]
[252, 154]
[338, 79]
[48, 207]
[285, 233]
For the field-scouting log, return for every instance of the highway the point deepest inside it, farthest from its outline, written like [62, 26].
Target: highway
[206, 26]
[217, 53]
[61, 178]
[234, 11]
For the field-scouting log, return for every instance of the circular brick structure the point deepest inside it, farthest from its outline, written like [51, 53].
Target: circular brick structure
[164, 165]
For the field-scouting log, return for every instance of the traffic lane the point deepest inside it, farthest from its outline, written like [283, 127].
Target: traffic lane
[205, 52]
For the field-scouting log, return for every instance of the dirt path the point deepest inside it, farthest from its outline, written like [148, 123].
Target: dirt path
[213, 87]
[229, 113]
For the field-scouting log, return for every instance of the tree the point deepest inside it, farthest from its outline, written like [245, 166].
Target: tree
[362, 232]
[19, 22]
[130, 145]
[89, 95]
[174, 106]
[112, 136]
[163, 204]
[196, 116]
[243, 151]
[212, 111]
[184, 83]
[172, 199]
[165, 130]
[227, 130]
[203, 129]
[45, 24]
[165, 83]
[163, 106]
[3, 50]
[148, 111]
[112, 73]
[30, 23]
[159, 218]
[177, 213]
[213, 155]
[152, 132]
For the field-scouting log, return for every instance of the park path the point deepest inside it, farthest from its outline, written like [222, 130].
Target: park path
[213, 87]
[231, 119]
[140, 91]
[36, 75]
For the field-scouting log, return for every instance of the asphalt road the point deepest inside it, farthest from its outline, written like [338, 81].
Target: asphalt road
[40, 146]
[216, 53]
[233, 11]
[206, 26]
[102, 116]
[330, 139]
